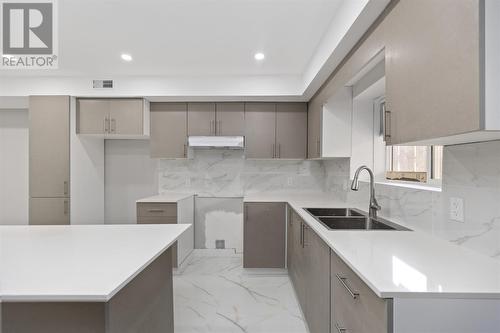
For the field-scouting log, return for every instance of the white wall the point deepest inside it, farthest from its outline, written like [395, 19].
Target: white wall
[87, 176]
[130, 174]
[14, 186]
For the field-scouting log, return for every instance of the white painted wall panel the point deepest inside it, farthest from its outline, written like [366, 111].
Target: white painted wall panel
[130, 174]
[14, 166]
[87, 175]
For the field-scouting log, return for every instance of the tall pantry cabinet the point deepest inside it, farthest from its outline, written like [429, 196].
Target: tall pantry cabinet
[49, 166]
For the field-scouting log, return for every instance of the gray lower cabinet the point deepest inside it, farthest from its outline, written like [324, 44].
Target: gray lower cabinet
[45, 211]
[355, 307]
[309, 269]
[144, 304]
[317, 277]
[332, 297]
[201, 119]
[168, 130]
[158, 213]
[264, 228]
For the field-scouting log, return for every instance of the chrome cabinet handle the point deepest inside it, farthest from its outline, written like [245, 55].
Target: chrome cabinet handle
[340, 329]
[113, 125]
[273, 148]
[185, 150]
[387, 125]
[304, 239]
[66, 207]
[66, 187]
[106, 125]
[344, 284]
[156, 210]
[219, 127]
[317, 148]
[279, 150]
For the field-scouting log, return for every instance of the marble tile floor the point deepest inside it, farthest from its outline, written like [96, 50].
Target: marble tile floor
[213, 293]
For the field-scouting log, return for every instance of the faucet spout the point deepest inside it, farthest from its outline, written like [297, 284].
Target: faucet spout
[374, 206]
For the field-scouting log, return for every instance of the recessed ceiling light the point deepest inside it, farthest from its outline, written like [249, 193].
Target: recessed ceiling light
[259, 56]
[126, 57]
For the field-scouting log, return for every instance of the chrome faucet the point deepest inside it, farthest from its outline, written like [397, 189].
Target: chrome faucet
[374, 206]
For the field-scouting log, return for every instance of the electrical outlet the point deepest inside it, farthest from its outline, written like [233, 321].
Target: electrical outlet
[457, 209]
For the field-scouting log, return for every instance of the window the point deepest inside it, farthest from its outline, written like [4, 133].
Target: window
[422, 164]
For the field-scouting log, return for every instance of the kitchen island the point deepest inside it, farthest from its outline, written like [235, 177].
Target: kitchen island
[87, 278]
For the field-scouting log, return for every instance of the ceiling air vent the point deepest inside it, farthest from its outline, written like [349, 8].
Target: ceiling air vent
[97, 84]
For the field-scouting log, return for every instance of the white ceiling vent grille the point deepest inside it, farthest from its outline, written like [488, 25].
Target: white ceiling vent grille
[100, 84]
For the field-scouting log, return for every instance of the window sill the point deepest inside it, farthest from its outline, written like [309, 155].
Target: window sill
[415, 186]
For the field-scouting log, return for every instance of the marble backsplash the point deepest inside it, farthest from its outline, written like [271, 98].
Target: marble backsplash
[470, 172]
[226, 173]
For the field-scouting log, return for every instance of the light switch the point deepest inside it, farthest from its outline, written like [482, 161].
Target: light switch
[457, 209]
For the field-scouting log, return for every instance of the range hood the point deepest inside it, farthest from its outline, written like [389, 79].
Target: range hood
[231, 142]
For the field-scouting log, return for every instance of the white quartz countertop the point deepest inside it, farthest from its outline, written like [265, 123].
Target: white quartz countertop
[169, 197]
[77, 262]
[401, 263]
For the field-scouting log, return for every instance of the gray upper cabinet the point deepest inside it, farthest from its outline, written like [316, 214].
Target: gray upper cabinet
[264, 235]
[314, 132]
[291, 130]
[276, 130]
[168, 130]
[126, 117]
[230, 119]
[49, 146]
[201, 119]
[434, 94]
[113, 118]
[260, 130]
[92, 116]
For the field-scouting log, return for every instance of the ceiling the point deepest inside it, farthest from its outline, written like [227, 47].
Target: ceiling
[196, 42]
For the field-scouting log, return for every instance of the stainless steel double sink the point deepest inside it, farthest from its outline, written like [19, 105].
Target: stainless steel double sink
[351, 219]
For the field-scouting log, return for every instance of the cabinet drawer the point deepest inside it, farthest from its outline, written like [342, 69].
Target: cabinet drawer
[156, 220]
[356, 308]
[157, 209]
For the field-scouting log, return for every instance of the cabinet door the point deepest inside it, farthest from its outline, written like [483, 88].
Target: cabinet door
[201, 119]
[92, 116]
[365, 312]
[264, 235]
[291, 130]
[49, 146]
[314, 131]
[126, 116]
[46, 211]
[260, 128]
[317, 309]
[298, 271]
[168, 130]
[433, 69]
[230, 119]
